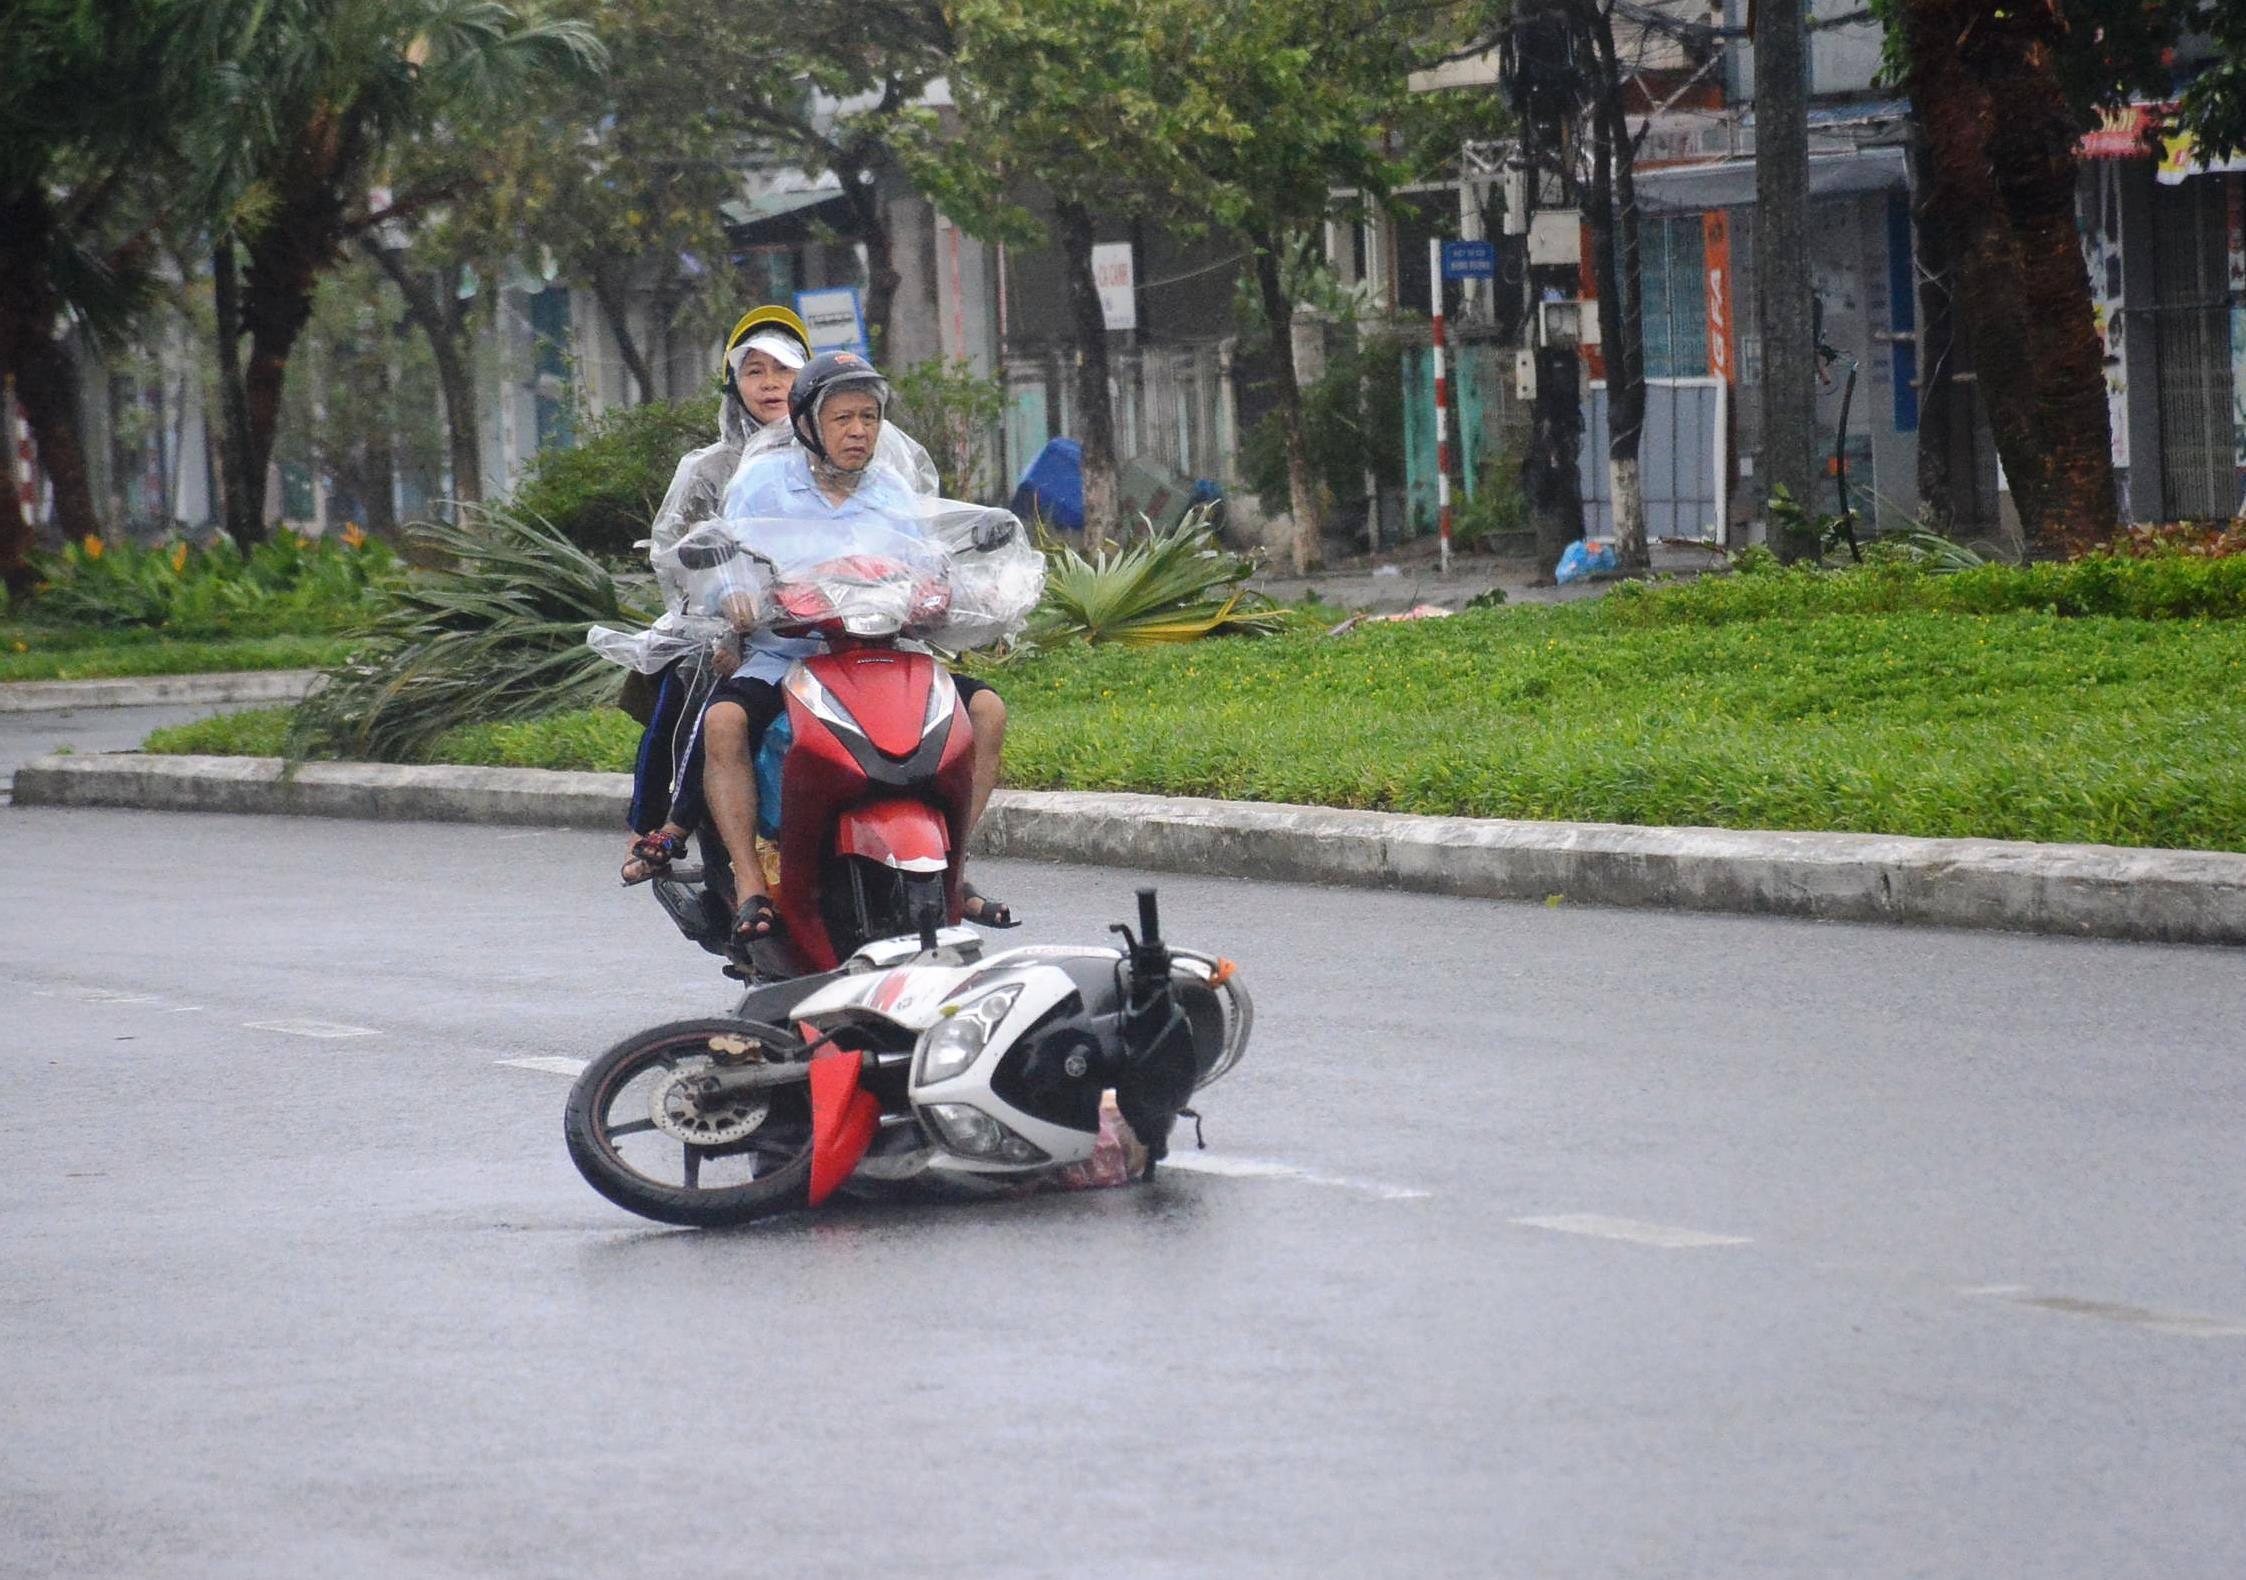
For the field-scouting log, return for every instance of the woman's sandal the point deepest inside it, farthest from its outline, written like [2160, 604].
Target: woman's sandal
[979, 908]
[757, 920]
[651, 856]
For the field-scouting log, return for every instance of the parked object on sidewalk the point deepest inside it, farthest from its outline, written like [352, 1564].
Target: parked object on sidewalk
[1152, 490]
[1584, 557]
[1052, 486]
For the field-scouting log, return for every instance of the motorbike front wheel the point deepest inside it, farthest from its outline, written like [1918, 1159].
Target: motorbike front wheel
[644, 1136]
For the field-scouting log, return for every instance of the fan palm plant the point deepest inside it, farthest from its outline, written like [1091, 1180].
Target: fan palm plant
[496, 634]
[1169, 586]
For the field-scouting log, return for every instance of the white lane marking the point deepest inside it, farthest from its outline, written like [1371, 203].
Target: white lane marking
[112, 996]
[1266, 1169]
[2183, 1324]
[184, 1009]
[550, 1063]
[312, 1028]
[1667, 1236]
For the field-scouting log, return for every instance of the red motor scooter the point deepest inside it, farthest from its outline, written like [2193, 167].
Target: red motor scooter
[874, 782]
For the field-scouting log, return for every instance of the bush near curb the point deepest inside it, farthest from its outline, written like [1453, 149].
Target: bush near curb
[603, 494]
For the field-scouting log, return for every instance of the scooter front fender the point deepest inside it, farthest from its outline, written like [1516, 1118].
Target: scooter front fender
[898, 832]
[844, 1117]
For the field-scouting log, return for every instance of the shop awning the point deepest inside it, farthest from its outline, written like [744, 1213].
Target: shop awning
[771, 219]
[1730, 183]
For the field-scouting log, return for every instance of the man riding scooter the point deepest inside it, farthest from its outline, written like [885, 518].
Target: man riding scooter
[837, 407]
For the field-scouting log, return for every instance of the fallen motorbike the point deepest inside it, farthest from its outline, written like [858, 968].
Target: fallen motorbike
[878, 1046]
[919, 1061]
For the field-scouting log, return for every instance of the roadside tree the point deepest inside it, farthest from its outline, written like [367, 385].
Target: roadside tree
[96, 103]
[313, 103]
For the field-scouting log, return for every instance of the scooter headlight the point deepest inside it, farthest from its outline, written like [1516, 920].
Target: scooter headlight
[951, 1045]
[967, 1129]
[805, 688]
[942, 696]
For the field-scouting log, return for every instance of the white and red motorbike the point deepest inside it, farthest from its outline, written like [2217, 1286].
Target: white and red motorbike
[918, 1061]
[888, 1048]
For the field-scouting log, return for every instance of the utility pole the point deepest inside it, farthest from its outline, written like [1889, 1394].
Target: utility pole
[1783, 309]
[1543, 88]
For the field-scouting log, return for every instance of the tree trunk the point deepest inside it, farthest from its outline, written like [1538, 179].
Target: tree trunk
[616, 308]
[2000, 151]
[46, 381]
[1785, 313]
[1306, 545]
[47, 389]
[1939, 395]
[441, 325]
[287, 254]
[16, 573]
[882, 278]
[1095, 416]
[2032, 143]
[1613, 217]
[243, 503]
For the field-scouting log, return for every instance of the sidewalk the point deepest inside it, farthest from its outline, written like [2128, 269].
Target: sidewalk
[1406, 577]
[139, 691]
[2072, 890]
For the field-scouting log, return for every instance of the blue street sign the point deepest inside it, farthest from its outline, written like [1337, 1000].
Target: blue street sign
[1469, 260]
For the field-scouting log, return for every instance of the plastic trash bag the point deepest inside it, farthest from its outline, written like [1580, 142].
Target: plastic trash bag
[1584, 557]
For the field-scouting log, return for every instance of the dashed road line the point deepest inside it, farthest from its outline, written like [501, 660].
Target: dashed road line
[548, 1063]
[1269, 1169]
[313, 1028]
[2183, 1324]
[1667, 1236]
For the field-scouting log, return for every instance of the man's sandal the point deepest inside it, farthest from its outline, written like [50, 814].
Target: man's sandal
[757, 920]
[979, 908]
[651, 856]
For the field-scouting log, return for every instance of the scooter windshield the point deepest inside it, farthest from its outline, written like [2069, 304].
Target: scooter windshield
[951, 574]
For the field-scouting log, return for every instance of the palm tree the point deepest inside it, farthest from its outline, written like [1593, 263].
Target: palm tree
[326, 89]
[95, 106]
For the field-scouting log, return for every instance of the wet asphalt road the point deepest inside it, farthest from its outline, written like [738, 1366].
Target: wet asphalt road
[1530, 1241]
[24, 736]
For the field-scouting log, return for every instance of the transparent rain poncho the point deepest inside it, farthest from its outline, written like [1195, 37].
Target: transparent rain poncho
[954, 576]
[697, 495]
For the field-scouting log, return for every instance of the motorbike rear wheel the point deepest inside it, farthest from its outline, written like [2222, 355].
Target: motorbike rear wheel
[641, 1136]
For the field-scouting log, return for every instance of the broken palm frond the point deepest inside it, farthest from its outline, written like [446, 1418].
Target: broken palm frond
[496, 633]
[1167, 586]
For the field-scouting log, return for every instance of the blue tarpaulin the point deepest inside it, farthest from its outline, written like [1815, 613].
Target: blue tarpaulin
[1052, 486]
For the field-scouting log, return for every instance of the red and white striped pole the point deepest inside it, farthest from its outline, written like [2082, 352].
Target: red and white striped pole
[1442, 406]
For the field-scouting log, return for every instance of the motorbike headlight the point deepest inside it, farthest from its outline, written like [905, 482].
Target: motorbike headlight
[951, 1045]
[805, 688]
[967, 1129]
[942, 695]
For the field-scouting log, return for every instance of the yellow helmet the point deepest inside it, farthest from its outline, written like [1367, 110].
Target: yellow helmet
[782, 334]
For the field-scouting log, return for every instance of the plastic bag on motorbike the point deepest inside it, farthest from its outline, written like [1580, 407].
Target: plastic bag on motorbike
[672, 637]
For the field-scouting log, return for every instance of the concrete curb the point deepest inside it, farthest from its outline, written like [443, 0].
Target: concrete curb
[138, 691]
[2077, 890]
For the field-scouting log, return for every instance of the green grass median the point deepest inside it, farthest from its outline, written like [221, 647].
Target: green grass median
[2015, 725]
[32, 652]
